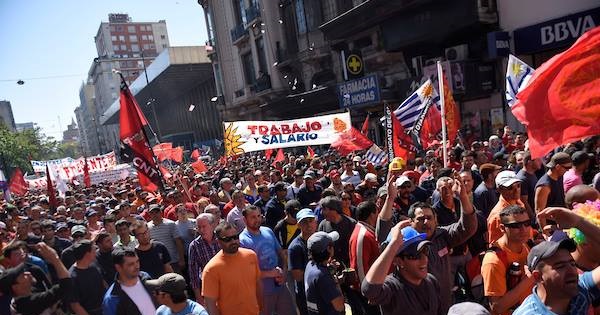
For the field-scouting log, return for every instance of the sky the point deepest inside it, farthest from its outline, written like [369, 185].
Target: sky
[50, 46]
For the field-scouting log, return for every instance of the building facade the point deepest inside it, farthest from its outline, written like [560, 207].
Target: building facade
[121, 45]
[6, 115]
[71, 135]
[25, 126]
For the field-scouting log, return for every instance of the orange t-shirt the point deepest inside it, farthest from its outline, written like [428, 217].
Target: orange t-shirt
[493, 271]
[231, 280]
[493, 221]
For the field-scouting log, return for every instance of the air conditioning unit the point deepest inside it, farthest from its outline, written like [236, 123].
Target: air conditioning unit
[432, 61]
[457, 53]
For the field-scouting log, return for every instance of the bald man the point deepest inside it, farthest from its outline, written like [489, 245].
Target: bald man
[580, 194]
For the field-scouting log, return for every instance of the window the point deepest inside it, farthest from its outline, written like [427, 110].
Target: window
[133, 38]
[119, 28]
[150, 37]
[131, 28]
[123, 47]
[125, 56]
[164, 45]
[144, 37]
[140, 64]
[113, 28]
[239, 12]
[162, 36]
[152, 46]
[136, 55]
[114, 38]
[135, 47]
[146, 46]
[262, 59]
[122, 37]
[123, 64]
[248, 66]
[300, 17]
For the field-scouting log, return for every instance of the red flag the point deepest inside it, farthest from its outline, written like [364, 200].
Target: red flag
[162, 151]
[561, 104]
[223, 160]
[177, 154]
[399, 144]
[350, 141]
[86, 174]
[165, 172]
[452, 114]
[195, 154]
[365, 127]
[279, 157]
[310, 153]
[268, 153]
[17, 183]
[199, 167]
[134, 143]
[431, 128]
[50, 190]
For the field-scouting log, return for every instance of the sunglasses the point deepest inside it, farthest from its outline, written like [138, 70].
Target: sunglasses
[517, 225]
[228, 239]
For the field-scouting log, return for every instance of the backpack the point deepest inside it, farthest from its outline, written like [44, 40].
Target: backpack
[474, 279]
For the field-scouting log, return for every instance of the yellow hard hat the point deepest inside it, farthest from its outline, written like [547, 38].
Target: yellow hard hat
[397, 164]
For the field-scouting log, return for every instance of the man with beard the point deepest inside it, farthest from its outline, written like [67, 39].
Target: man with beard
[298, 254]
[424, 220]
[231, 281]
[559, 289]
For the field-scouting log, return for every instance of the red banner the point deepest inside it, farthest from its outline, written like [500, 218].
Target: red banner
[17, 184]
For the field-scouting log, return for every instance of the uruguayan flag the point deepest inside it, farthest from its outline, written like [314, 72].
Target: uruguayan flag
[408, 112]
[518, 74]
[376, 156]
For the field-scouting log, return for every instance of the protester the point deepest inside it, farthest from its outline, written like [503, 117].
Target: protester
[201, 250]
[298, 254]
[153, 256]
[486, 195]
[165, 231]
[336, 221]
[549, 190]
[88, 283]
[170, 292]
[104, 257]
[287, 228]
[509, 186]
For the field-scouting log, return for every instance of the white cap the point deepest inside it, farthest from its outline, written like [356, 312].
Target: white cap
[402, 180]
[356, 158]
[371, 177]
[506, 178]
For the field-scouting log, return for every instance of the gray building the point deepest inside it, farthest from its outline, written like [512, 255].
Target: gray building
[6, 115]
[121, 45]
[176, 98]
[25, 126]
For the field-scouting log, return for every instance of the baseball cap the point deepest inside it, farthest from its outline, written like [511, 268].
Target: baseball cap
[547, 249]
[279, 186]
[305, 213]
[90, 212]
[468, 308]
[333, 173]
[298, 173]
[9, 277]
[382, 191]
[61, 226]
[356, 158]
[170, 283]
[154, 207]
[559, 158]
[370, 177]
[413, 241]
[318, 242]
[309, 175]
[506, 178]
[401, 180]
[78, 229]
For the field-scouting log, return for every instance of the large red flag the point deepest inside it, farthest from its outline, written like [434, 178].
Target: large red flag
[561, 104]
[199, 167]
[399, 144]
[432, 127]
[365, 127]
[177, 154]
[86, 174]
[162, 151]
[195, 154]
[452, 114]
[279, 157]
[135, 147]
[17, 183]
[350, 141]
[50, 190]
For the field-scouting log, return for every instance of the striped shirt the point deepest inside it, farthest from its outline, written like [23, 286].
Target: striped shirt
[166, 233]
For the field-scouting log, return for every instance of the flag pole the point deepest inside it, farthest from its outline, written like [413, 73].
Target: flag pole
[440, 73]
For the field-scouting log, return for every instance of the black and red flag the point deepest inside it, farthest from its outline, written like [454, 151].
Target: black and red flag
[135, 147]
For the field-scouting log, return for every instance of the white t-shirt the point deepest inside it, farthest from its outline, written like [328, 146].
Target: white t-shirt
[141, 298]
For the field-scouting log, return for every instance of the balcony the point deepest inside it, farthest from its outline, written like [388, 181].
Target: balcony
[238, 33]
[252, 14]
[263, 83]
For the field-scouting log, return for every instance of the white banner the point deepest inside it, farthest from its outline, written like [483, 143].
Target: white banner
[248, 136]
[119, 172]
[67, 168]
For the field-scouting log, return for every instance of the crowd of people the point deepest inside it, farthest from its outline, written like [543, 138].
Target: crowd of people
[493, 232]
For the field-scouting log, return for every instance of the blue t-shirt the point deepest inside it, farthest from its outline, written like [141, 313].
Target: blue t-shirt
[266, 247]
[588, 293]
[192, 308]
[320, 290]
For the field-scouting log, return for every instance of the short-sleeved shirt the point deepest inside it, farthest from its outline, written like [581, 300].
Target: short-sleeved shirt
[588, 294]
[320, 289]
[398, 296]
[341, 246]
[528, 186]
[298, 258]
[235, 218]
[191, 308]
[571, 179]
[166, 233]
[231, 280]
[493, 270]
[266, 246]
[153, 260]
[484, 198]
[88, 288]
